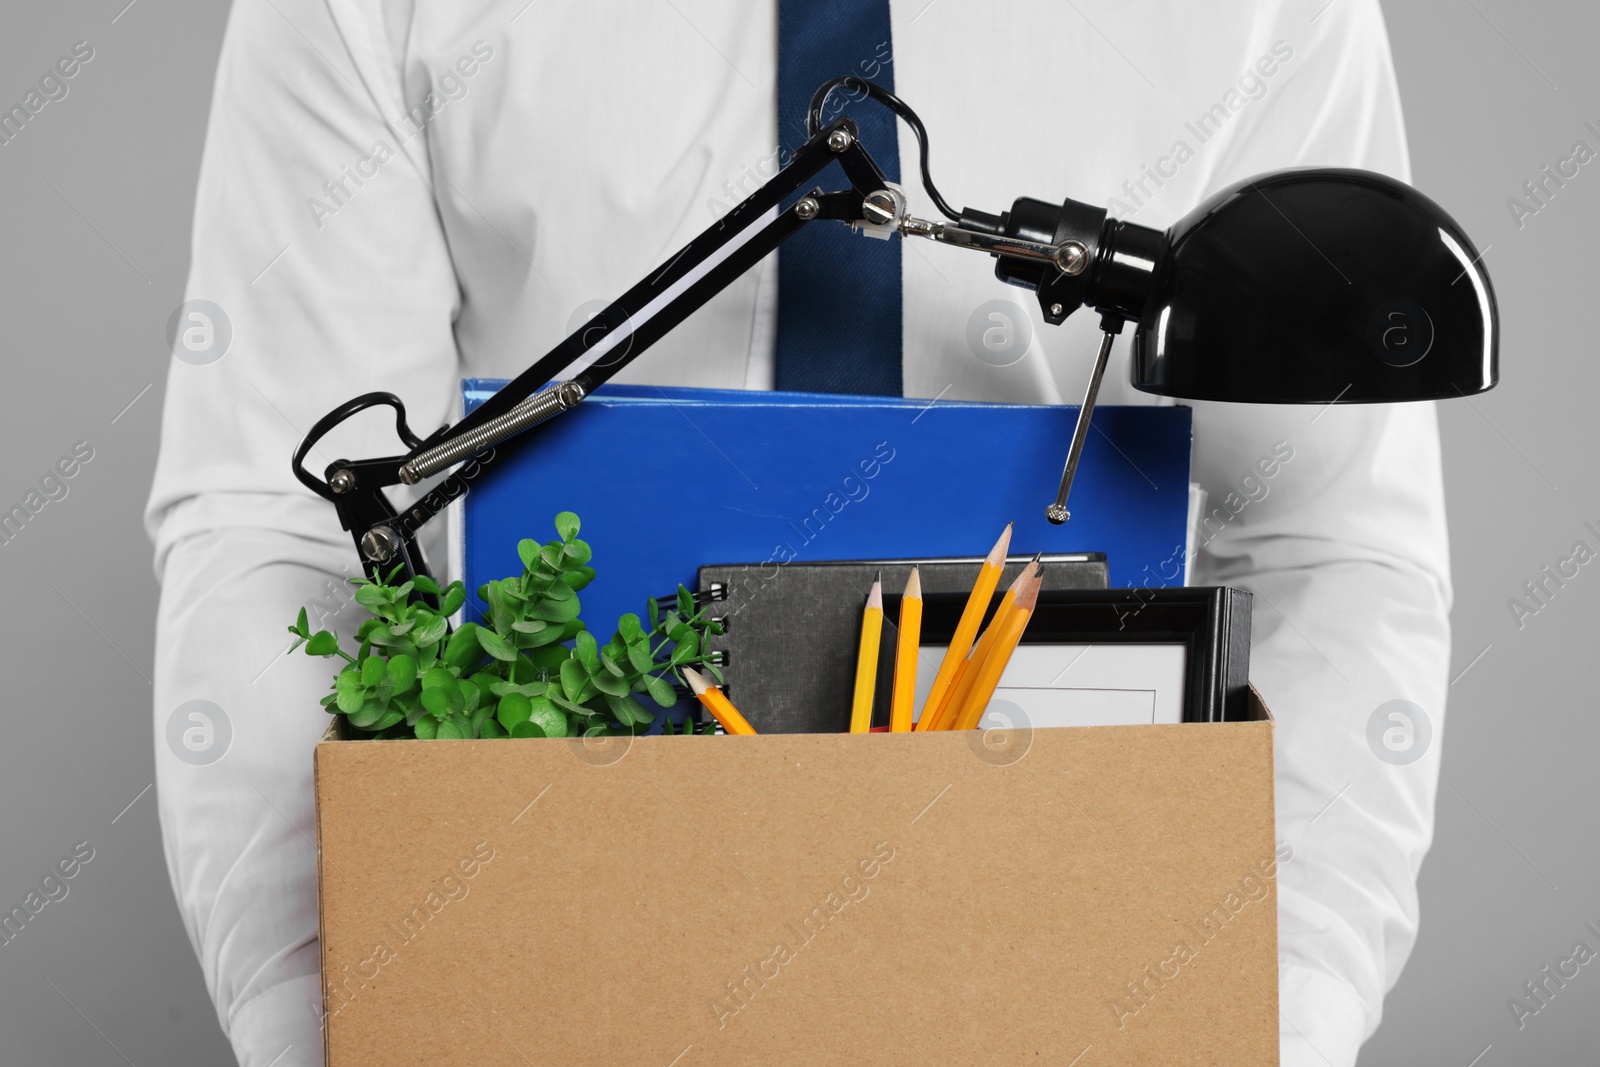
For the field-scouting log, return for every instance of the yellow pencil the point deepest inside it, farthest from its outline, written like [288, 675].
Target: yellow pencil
[720, 707]
[955, 697]
[867, 660]
[967, 627]
[937, 716]
[905, 656]
[995, 664]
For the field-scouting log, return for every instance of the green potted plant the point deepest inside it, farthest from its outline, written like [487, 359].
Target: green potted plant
[532, 668]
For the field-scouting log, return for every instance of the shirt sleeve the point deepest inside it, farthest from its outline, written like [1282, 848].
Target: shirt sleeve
[1334, 518]
[315, 234]
[317, 238]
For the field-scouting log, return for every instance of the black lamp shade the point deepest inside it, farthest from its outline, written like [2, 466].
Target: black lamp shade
[1313, 286]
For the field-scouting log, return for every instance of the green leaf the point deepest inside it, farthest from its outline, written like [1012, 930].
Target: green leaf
[679, 631]
[548, 658]
[609, 684]
[527, 689]
[577, 577]
[400, 629]
[567, 525]
[639, 656]
[368, 713]
[513, 708]
[529, 626]
[450, 730]
[482, 716]
[572, 679]
[350, 701]
[403, 673]
[427, 585]
[463, 649]
[437, 701]
[661, 691]
[526, 729]
[626, 710]
[431, 628]
[550, 720]
[630, 629]
[301, 626]
[555, 697]
[608, 660]
[372, 669]
[557, 610]
[528, 552]
[392, 717]
[373, 597]
[322, 643]
[493, 729]
[427, 727]
[500, 614]
[452, 600]
[655, 611]
[538, 638]
[436, 677]
[578, 552]
[497, 646]
[685, 602]
[686, 649]
[559, 591]
[588, 652]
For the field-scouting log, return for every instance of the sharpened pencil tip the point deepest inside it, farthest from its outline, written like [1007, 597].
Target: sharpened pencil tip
[997, 554]
[875, 596]
[913, 586]
[697, 681]
[1028, 595]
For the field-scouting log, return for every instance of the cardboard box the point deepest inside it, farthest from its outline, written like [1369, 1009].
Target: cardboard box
[1088, 896]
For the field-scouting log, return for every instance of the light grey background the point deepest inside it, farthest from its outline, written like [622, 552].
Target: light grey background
[97, 195]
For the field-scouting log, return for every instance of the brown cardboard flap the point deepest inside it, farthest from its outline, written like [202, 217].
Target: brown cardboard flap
[1259, 712]
[951, 898]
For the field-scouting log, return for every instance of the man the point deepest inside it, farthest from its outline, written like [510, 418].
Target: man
[397, 195]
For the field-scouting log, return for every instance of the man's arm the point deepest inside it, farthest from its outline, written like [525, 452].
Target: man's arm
[315, 233]
[1344, 546]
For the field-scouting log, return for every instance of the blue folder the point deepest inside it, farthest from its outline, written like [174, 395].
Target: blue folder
[666, 479]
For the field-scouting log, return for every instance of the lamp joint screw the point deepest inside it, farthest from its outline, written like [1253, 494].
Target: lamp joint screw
[379, 544]
[880, 207]
[1057, 514]
[342, 480]
[1072, 257]
[839, 140]
[807, 208]
[1056, 309]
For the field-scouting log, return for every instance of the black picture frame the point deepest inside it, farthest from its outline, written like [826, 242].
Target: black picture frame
[1211, 622]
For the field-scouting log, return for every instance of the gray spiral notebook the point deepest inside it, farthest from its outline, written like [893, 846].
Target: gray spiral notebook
[789, 651]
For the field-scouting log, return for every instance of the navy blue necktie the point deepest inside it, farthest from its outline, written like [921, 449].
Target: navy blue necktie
[838, 292]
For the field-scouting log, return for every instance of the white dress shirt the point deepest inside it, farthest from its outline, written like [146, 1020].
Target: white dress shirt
[564, 150]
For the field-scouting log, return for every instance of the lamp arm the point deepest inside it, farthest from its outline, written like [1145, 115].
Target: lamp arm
[1065, 253]
[387, 539]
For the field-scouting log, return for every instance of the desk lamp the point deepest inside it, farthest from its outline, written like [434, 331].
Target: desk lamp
[1304, 286]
